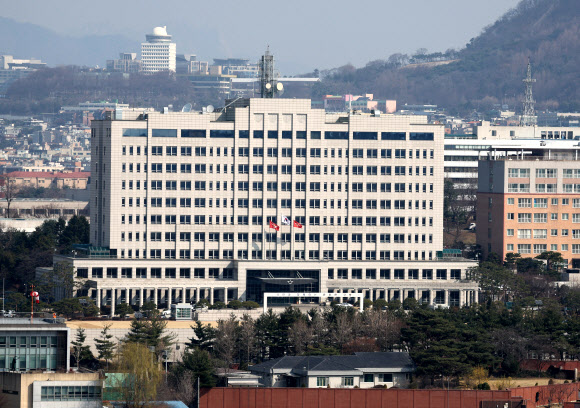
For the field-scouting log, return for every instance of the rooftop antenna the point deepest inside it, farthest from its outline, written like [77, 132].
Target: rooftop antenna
[269, 85]
[529, 117]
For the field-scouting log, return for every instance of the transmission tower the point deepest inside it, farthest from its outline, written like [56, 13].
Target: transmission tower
[269, 85]
[529, 116]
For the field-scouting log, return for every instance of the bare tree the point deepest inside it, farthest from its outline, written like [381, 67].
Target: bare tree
[247, 336]
[342, 333]
[383, 326]
[225, 341]
[10, 190]
[300, 336]
[184, 387]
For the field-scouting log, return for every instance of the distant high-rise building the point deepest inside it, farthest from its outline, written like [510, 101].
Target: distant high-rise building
[158, 53]
[127, 62]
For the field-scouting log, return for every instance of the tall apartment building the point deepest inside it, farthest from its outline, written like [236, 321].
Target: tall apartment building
[530, 206]
[158, 53]
[181, 205]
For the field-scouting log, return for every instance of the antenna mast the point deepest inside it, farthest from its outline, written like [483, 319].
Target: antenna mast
[529, 116]
[269, 85]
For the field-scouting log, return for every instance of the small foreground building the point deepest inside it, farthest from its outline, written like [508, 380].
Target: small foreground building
[363, 370]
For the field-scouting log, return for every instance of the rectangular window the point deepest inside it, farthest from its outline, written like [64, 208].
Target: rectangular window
[164, 133]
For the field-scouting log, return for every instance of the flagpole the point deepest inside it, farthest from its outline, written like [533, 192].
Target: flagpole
[31, 303]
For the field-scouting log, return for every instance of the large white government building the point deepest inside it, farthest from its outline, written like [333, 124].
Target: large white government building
[181, 203]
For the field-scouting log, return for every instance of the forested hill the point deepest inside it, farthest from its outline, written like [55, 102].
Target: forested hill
[488, 70]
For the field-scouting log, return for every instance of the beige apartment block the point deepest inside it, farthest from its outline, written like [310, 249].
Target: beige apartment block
[529, 206]
[181, 204]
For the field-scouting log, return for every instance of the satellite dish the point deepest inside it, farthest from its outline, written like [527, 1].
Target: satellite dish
[186, 107]
[279, 86]
[210, 108]
[268, 85]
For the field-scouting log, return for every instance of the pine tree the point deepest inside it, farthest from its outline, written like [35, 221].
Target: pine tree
[151, 333]
[104, 345]
[80, 351]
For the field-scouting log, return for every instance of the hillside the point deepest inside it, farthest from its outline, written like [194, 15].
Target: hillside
[489, 69]
[24, 40]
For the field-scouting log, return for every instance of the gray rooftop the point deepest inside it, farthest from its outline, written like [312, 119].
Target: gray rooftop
[358, 361]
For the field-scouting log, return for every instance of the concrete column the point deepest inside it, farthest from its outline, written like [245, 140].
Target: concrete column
[113, 300]
[461, 298]
[141, 294]
[183, 295]
[169, 297]
[196, 294]
[155, 299]
[211, 295]
[431, 297]
[446, 297]
[98, 300]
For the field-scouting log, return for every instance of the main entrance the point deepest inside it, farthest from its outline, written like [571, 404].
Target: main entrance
[260, 281]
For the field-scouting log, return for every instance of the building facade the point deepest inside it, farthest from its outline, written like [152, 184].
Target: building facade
[158, 53]
[181, 205]
[530, 206]
[360, 370]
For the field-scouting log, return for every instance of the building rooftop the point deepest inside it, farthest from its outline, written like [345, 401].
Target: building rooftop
[19, 322]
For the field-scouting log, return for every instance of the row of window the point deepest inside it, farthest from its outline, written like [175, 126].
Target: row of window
[203, 151]
[542, 233]
[202, 185]
[70, 393]
[544, 173]
[286, 237]
[543, 217]
[202, 168]
[275, 134]
[411, 274]
[214, 254]
[171, 219]
[228, 273]
[543, 188]
[541, 248]
[542, 202]
[158, 273]
[201, 202]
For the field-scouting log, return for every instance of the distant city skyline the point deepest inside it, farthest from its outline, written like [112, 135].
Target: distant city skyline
[303, 36]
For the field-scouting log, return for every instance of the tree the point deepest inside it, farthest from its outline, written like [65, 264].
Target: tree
[10, 190]
[123, 309]
[141, 375]
[200, 364]
[70, 306]
[268, 336]
[495, 280]
[247, 337]
[77, 231]
[225, 341]
[300, 336]
[204, 339]
[554, 260]
[151, 333]
[80, 351]
[105, 347]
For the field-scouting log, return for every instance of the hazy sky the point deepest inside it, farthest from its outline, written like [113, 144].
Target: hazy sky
[302, 34]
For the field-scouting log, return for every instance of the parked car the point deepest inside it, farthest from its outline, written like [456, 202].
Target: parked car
[344, 305]
[472, 226]
[9, 313]
[166, 314]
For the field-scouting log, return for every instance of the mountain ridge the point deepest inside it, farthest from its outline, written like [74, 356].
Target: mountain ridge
[489, 69]
[26, 40]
